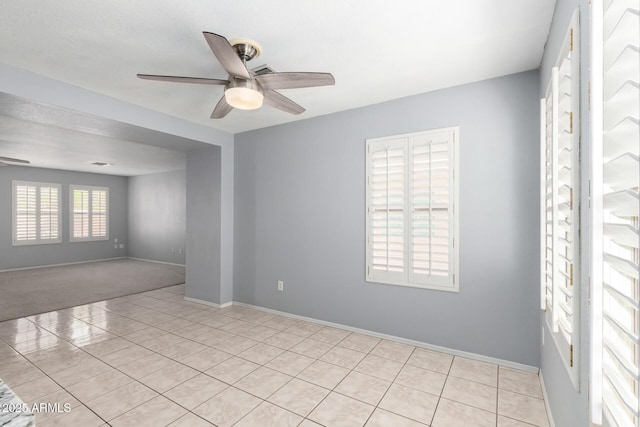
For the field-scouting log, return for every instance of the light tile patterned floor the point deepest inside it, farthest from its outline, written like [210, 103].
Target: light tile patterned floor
[154, 359]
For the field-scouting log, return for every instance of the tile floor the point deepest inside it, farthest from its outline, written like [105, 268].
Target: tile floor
[154, 359]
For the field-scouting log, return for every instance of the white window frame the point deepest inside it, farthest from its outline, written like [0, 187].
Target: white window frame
[610, 405]
[38, 240]
[90, 190]
[559, 194]
[448, 283]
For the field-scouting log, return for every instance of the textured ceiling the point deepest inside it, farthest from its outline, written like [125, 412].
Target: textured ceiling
[58, 138]
[377, 50]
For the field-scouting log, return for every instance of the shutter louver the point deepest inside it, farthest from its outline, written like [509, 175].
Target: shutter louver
[620, 212]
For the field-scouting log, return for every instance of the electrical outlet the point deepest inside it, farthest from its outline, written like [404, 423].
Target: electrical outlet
[121, 246]
[115, 240]
[115, 246]
[180, 251]
[280, 285]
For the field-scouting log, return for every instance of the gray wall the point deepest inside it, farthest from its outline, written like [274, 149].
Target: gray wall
[157, 216]
[204, 211]
[35, 255]
[570, 406]
[300, 217]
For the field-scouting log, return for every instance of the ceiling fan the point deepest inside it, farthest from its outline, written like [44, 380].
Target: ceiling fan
[4, 161]
[246, 89]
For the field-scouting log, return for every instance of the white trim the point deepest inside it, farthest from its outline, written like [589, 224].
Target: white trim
[475, 356]
[211, 304]
[157, 262]
[552, 423]
[61, 264]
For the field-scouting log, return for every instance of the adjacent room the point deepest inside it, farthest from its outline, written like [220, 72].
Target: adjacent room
[331, 214]
[94, 207]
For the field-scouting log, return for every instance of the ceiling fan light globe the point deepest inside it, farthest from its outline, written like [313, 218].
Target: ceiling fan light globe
[244, 98]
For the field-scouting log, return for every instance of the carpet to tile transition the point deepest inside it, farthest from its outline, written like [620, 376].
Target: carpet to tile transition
[39, 290]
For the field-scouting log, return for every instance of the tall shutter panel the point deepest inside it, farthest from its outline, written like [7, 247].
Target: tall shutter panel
[386, 209]
[620, 171]
[431, 208]
[49, 213]
[80, 214]
[568, 191]
[25, 213]
[98, 213]
[548, 203]
[560, 201]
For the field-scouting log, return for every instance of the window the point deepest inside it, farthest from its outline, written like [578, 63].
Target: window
[560, 204]
[615, 294]
[36, 213]
[89, 213]
[411, 209]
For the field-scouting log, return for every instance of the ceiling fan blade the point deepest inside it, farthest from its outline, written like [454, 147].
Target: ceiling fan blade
[179, 79]
[227, 57]
[295, 80]
[12, 160]
[281, 102]
[222, 109]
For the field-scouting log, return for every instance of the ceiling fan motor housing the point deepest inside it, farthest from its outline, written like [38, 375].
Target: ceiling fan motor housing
[246, 49]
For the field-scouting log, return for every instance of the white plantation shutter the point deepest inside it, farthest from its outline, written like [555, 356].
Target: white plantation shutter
[98, 213]
[80, 213]
[386, 209]
[559, 201]
[616, 212]
[547, 202]
[431, 236]
[89, 213]
[26, 212]
[36, 213]
[411, 219]
[50, 212]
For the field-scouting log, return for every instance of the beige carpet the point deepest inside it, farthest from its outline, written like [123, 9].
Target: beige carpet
[39, 290]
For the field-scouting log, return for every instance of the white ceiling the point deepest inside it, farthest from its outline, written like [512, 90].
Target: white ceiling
[377, 50]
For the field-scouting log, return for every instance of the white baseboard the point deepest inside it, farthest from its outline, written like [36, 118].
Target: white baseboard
[211, 304]
[62, 264]
[482, 358]
[157, 262]
[546, 401]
